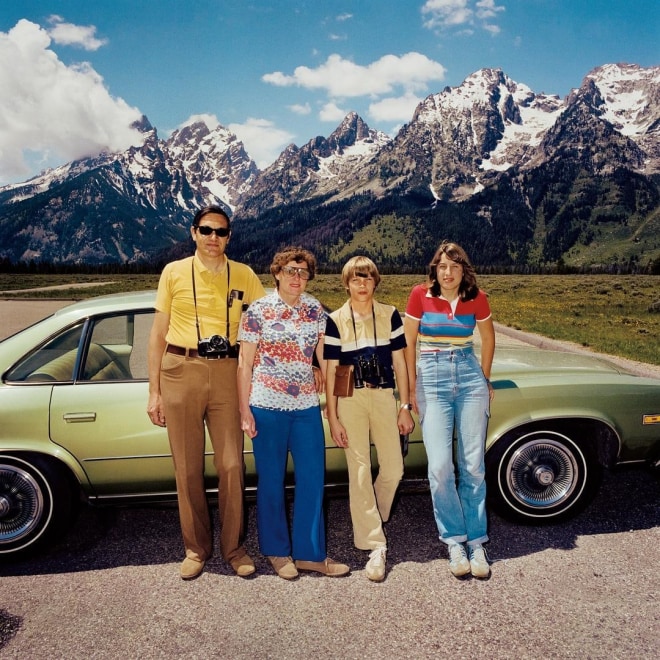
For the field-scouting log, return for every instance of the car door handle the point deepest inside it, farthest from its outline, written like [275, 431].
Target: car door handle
[71, 418]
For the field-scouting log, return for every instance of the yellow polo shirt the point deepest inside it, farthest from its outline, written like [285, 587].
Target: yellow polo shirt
[175, 298]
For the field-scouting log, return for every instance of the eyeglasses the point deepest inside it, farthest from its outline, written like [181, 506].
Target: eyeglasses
[302, 273]
[220, 232]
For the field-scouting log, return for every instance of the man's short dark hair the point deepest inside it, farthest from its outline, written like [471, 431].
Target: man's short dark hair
[207, 210]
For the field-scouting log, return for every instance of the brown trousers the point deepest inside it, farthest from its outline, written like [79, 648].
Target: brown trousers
[198, 392]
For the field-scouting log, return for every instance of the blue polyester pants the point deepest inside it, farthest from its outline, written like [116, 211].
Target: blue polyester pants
[301, 433]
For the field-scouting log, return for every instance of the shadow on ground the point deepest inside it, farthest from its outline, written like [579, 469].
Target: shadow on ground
[133, 536]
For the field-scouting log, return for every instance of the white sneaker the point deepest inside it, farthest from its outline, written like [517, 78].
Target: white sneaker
[375, 567]
[458, 561]
[478, 561]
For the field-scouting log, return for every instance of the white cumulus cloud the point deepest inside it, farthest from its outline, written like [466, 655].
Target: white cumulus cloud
[262, 139]
[68, 34]
[301, 108]
[447, 14]
[49, 110]
[394, 109]
[210, 120]
[332, 112]
[342, 78]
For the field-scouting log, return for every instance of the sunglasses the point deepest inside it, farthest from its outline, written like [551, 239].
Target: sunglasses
[220, 232]
[290, 271]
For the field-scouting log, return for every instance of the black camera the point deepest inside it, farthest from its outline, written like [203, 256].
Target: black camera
[213, 346]
[369, 369]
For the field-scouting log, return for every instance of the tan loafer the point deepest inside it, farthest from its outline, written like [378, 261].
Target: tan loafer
[191, 568]
[328, 567]
[243, 566]
[284, 567]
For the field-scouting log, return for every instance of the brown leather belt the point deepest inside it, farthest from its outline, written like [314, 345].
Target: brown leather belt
[192, 352]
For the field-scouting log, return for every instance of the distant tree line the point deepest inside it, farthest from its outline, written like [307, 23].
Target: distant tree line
[630, 267]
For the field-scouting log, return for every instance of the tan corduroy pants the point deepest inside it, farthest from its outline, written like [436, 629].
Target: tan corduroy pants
[370, 415]
[196, 391]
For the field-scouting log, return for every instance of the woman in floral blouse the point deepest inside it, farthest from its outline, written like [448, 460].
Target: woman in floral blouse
[280, 411]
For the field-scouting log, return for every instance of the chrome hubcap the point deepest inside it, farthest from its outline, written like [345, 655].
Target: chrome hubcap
[21, 503]
[542, 473]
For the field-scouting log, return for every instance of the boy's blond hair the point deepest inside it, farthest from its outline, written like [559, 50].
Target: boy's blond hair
[359, 265]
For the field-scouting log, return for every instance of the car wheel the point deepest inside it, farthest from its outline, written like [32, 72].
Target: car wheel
[541, 476]
[35, 502]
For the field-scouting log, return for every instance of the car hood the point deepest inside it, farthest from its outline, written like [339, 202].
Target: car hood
[517, 361]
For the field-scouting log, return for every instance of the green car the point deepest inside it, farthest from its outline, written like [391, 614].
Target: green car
[73, 425]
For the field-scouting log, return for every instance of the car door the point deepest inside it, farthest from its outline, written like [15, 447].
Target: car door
[101, 417]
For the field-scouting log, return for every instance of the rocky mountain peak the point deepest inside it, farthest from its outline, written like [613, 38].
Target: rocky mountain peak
[351, 130]
[322, 166]
[143, 125]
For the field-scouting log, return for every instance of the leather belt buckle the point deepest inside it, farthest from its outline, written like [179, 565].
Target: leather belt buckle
[192, 352]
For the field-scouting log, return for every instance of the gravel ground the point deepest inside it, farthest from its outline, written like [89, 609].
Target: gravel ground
[110, 588]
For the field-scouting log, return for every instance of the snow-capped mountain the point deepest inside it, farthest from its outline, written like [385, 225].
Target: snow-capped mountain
[147, 194]
[322, 166]
[629, 100]
[210, 160]
[488, 135]
[458, 140]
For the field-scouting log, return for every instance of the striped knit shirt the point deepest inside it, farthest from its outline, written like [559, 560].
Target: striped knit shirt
[444, 325]
[346, 342]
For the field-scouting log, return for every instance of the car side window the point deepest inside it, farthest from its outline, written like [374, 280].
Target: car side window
[118, 348]
[54, 361]
[116, 351]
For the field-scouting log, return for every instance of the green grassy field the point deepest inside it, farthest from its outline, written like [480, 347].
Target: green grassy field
[610, 314]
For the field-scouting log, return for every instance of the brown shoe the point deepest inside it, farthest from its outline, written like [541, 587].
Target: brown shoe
[284, 567]
[243, 566]
[328, 567]
[191, 568]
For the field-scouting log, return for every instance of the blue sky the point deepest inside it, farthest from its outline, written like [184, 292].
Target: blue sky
[75, 73]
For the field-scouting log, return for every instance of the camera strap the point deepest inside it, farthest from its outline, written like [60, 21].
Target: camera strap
[199, 336]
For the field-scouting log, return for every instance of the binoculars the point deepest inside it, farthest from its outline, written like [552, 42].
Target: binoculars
[369, 369]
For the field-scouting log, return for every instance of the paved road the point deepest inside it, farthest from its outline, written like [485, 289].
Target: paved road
[110, 588]
[587, 588]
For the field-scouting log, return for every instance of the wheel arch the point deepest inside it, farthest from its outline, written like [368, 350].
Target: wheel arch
[596, 433]
[58, 457]
[548, 470]
[63, 467]
[39, 497]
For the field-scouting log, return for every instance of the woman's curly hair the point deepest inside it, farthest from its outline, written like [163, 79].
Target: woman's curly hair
[292, 253]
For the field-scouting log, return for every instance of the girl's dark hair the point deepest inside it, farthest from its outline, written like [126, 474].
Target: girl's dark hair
[468, 288]
[217, 210]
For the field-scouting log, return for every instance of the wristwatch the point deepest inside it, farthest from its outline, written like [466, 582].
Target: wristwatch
[406, 406]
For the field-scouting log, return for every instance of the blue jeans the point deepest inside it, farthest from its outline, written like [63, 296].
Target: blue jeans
[301, 433]
[452, 392]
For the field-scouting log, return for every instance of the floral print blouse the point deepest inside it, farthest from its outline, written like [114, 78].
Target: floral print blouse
[286, 338]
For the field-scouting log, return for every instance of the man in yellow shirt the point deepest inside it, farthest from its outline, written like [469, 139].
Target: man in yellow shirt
[192, 383]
